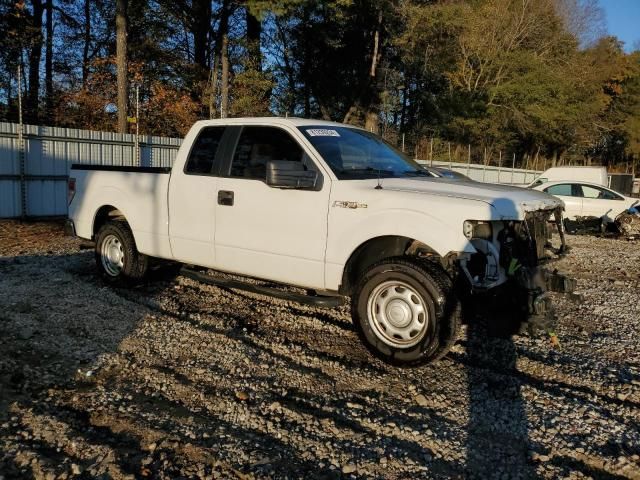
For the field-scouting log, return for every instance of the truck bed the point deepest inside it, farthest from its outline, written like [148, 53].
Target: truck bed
[140, 193]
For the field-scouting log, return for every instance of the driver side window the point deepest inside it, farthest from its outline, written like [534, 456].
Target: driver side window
[258, 145]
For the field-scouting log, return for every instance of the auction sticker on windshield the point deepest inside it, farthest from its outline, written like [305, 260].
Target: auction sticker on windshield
[322, 132]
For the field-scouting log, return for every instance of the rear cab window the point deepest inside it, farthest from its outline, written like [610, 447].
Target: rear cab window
[203, 152]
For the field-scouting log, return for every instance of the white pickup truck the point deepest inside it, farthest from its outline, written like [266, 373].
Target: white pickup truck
[330, 208]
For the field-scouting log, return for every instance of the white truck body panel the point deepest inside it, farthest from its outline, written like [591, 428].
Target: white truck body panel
[192, 205]
[273, 233]
[298, 237]
[425, 209]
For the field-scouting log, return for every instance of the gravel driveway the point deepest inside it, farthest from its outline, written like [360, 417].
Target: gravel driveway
[176, 379]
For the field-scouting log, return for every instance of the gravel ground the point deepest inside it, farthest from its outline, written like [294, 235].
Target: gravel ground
[176, 379]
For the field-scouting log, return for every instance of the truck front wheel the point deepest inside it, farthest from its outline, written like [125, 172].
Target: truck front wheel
[117, 257]
[406, 311]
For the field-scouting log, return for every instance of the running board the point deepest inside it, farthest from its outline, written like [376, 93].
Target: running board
[313, 300]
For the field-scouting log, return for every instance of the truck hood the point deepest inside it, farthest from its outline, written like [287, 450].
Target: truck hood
[510, 203]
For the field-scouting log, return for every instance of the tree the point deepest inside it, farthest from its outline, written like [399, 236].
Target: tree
[35, 54]
[585, 19]
[49, 61]
[86, 45]
[536, 77]
[121, 63]
[201, 26]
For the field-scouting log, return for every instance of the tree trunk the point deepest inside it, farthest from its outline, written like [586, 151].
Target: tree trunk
[87, 42]
[48, 82]
[10, 96]
[306, 61]
[223, 29]
[254, 30]
[372, 116]
[213, 88]
[288, 69]
[121, 63]
[224, 87]
[34, 64]
[350, 113]
[326, 114]
[372, 120]
[201, 25]
[403, 111]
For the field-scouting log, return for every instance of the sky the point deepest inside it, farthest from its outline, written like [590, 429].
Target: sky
[623, 20]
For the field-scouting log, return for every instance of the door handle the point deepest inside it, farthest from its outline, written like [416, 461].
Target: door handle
[225, 197]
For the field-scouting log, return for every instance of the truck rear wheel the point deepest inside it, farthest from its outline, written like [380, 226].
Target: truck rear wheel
[117, 257]
[406, 311]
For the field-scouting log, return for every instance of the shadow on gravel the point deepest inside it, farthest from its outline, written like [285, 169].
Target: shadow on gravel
[63, 410]
[498, 426]
[162, 367]
[497, 434]
[54, 330]
[60, 318]
[574, 465]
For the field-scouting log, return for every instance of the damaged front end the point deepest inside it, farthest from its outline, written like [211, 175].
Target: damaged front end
[505, 274]
[628, 223]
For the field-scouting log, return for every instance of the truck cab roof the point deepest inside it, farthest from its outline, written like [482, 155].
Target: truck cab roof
[292, 121]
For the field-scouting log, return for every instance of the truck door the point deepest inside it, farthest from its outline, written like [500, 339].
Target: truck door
[192, 200]
[271, 233]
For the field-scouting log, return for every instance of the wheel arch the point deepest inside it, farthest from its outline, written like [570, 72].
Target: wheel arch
[104, 214]
[378, 248]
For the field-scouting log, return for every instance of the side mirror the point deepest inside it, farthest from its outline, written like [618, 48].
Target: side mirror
[287, 174]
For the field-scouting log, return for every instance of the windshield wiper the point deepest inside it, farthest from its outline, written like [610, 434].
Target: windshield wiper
[420, 173]
[360, 170]
[368, 171]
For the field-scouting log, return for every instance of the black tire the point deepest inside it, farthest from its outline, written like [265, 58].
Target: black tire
[134, 264]
[437, 295]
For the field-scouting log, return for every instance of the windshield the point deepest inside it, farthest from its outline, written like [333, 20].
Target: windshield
[356, 154]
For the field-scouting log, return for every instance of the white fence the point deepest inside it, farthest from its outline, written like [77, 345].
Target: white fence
[34, 166]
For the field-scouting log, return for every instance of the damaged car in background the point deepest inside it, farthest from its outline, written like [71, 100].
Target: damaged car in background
[334, 212]
[593, 208]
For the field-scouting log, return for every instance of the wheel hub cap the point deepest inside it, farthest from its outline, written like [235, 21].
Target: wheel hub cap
[112, 255]
[397, 314]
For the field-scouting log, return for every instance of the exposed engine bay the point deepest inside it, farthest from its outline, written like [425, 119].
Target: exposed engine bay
[507, 263]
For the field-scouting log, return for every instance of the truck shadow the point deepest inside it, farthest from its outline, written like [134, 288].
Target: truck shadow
[498, 428]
